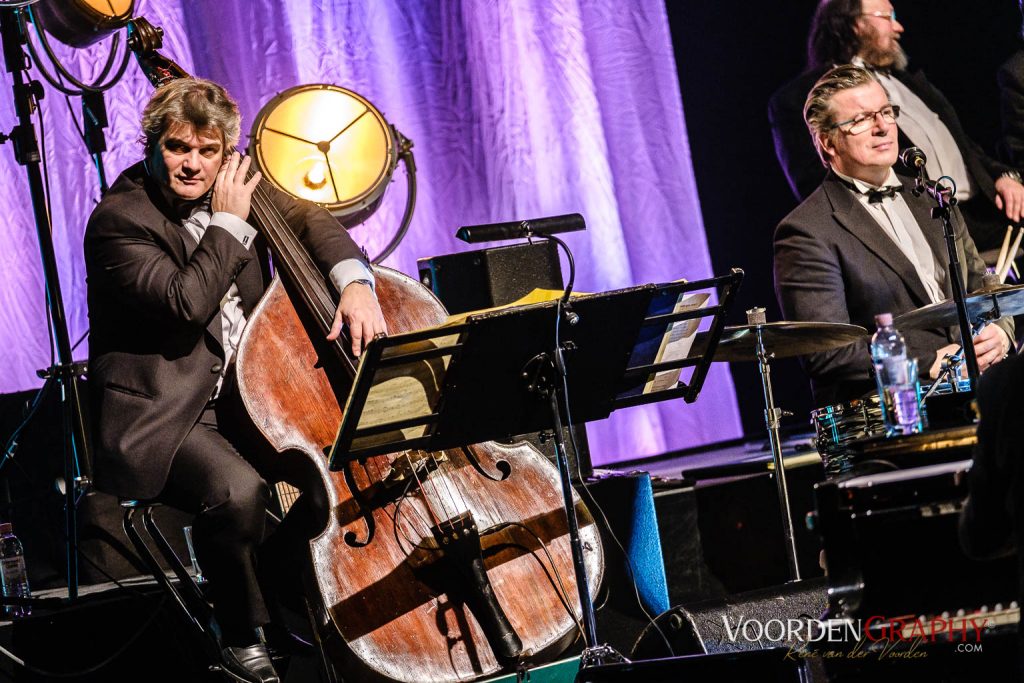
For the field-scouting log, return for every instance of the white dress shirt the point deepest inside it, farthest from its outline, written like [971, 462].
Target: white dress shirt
[897, 221]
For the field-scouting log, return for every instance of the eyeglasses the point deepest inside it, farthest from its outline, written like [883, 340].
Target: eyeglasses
[863, 122]
[888, 16]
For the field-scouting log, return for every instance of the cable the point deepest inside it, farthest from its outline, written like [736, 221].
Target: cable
[95, 667]
[80, 340]
[11, 446]
[608, 528]
[12, 443]
[560, 589]
[410, 199]
[563, 304]
[49, 221]
[952, 192]
[95, 86]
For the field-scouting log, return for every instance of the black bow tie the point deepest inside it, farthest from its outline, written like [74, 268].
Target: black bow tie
[875, 196]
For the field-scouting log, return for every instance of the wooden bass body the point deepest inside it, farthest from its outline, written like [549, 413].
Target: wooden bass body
[390, 602]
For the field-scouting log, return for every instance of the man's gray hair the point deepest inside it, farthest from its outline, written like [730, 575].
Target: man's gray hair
[818, 114]
[197, 102]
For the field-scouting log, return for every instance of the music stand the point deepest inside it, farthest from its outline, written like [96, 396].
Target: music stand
[497, 374]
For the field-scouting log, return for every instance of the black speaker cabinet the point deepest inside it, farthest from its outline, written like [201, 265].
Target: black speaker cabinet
[704, 627]
[491, 277]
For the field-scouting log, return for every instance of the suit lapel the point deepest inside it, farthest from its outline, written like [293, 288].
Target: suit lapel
[849, 213]
[933, 233]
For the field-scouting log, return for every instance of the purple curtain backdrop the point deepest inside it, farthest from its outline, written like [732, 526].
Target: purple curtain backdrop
[517, 109]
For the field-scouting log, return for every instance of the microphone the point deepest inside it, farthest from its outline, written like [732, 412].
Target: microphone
[913, 157]
[511, 230]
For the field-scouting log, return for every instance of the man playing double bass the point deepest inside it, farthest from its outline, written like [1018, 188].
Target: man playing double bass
[173, 274]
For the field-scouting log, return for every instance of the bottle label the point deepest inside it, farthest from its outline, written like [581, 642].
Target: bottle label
[13, 569]
[894, 371]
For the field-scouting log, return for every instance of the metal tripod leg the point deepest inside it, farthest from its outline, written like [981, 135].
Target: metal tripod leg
[772, 416]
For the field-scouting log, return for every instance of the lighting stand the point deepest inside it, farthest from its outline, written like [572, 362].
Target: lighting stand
[27, 93]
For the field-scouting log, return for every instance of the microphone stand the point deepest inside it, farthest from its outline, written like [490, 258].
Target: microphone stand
[65, 372]
[944, 203]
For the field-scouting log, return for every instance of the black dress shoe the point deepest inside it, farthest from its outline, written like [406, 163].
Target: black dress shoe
[250, 664]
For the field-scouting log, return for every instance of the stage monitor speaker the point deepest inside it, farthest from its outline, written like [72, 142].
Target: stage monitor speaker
[735, 667]
[472, 280]
[716, 626]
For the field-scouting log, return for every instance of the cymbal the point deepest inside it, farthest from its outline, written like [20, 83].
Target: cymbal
[783, 339]
[943, 314]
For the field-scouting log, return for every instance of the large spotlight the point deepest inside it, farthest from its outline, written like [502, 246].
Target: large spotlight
[80, 23]
[328, 145]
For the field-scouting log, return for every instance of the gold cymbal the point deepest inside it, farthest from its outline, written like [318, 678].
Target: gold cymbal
[783, 339]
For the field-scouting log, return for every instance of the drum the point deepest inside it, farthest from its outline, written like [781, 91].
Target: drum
[843, 431]
[838, 427]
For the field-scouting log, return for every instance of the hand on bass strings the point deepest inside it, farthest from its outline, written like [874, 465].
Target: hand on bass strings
[231, 192]
[360, 311]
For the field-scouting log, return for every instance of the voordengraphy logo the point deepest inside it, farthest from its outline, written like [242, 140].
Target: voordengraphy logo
[895, 637]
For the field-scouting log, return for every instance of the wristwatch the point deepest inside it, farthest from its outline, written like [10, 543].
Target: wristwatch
[1012, 175]
[362, 281]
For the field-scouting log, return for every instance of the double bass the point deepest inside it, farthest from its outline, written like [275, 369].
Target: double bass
[442, 566]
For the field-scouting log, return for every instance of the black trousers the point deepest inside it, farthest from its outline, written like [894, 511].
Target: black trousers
[222, 473]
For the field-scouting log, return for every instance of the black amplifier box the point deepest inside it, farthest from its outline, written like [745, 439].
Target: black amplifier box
[484, 278]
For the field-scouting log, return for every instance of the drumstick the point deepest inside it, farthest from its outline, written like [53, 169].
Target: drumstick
[1011, 256]
[1016, 273]
[1002, 251]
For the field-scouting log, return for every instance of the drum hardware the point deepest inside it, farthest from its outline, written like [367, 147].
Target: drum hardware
[761, 341]
[983, 306]
[952, 366]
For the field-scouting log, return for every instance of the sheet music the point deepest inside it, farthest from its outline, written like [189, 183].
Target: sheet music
[676, 342]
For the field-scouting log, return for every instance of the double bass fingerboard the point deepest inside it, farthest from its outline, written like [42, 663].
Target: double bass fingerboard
[286, 495]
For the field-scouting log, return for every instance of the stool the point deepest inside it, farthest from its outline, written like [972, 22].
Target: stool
[187, 598]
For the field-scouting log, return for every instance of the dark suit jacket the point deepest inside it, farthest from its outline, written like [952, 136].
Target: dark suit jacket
[1011, 104]
[833, 263]
[803, 167]
[155, 326]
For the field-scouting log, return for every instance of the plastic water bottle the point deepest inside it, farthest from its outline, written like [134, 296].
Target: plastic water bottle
[896, 376]
[13, 576]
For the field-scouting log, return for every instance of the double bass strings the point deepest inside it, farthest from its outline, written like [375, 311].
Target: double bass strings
[310, 284]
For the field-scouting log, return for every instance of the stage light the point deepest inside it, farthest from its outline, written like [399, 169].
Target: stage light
[329, 145]
[80, 23]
